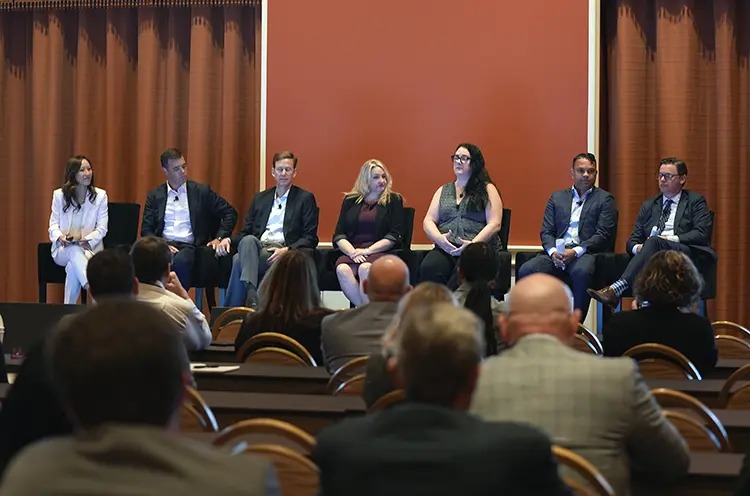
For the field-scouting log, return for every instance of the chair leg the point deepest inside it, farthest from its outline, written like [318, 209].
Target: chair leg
[211, 297]
[83, 296]
[42, 292]
[222, 296]
[199, 298]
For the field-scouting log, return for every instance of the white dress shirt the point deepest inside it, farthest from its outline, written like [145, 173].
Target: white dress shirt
[571, 235]
[192, 323]
[177, 225]
[274, 233]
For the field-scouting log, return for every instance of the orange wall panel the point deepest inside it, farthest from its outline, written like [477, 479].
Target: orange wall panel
[404, 81]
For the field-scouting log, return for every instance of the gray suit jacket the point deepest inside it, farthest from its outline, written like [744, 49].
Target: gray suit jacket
[597, 225]
[598, 407]
[356, 332]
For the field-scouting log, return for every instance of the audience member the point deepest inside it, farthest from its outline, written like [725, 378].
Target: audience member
[378, 381]
[289, 304]
[184, 213]
[358, 331]
[666, 289]
[31, 411]
[160, 287]
[598, 407]
[429, 444]
[120, 369]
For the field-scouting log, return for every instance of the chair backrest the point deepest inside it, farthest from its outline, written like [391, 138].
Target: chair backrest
[504, 233]
[657, 361]
[274, 340]
[739, 399]
[670, 399]
[408, 228]
[271, 355]
[349, 369]
[388, 400]
[227, 325]
[697, 436]
[122, 228]
[583, 345]
[195, 414]
[297, 475]
[351, 387]
[732, 347]
[727, 328]
[583, 468]
[259, 430]
[589, 336]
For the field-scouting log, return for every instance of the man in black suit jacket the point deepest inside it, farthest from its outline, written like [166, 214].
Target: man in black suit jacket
[585, 218]
[676, 219]
[185, 213]
[279, 218]
[430, 445]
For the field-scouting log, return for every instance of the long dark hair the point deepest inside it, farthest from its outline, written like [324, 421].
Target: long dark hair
[476, 187]
[478, 266]
[70, 183]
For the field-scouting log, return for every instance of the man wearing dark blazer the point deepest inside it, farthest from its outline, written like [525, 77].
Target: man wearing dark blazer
[185, 213]
[279, 218]
[676, 219]
[430, 444]
[584, 217]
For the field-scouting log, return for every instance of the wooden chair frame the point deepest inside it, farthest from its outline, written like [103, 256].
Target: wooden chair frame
[727, 328]
[278, 356]
[273, 452]
[226, 318]
[267, 426]
[589, 336]
[197, 406]
[347, 370]
[583, 345]
[584, 468]
[662, 354]
[725, 395]
[732, 346]
[388, 400]
[669, 398]
[355, 382]
[681, 421]
[277, 340]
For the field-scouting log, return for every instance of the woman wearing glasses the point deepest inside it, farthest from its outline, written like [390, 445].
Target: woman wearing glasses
[371, 223]
[461, 212]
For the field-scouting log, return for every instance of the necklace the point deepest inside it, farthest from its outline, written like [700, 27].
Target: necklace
[459, 191]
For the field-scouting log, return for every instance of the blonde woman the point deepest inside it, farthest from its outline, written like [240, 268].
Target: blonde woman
[371, 223]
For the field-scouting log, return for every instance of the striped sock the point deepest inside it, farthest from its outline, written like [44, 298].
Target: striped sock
[619, 286]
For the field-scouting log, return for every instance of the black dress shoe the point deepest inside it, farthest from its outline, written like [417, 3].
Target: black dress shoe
[606, 296]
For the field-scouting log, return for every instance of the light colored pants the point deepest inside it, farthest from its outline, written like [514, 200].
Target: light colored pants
[75, 260]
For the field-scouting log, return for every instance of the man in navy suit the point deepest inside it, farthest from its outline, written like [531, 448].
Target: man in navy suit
[279, 218]
[676, 219]
[185, 213]
[584, 217]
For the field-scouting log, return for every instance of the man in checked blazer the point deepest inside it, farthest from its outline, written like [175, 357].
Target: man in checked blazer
[585, 218]
[598, 407]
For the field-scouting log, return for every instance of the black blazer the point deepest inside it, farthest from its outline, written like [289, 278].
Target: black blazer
[597, 225]
[688, 333]
[206, 210]
[692, 222]
[389, 220]
[420, 449]
[300, 219]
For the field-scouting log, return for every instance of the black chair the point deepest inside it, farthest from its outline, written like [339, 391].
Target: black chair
[211, 272]
[325, 258]
[122, 230]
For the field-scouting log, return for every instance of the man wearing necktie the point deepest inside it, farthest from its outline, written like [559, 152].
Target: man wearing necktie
[676, 219]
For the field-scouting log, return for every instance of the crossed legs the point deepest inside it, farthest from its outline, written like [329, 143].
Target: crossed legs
[75, 260]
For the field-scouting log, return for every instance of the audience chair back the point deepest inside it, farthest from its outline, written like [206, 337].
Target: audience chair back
[594, 480]
[351, 387]
[297, 475]
[732, 347]
[671, 399]
[583, 345]
[736, 398]
[657, 361]
[697, 436]
[275, 348]
[265, 431]
[388, 400]
[589, 336]
[227, 325]
[195, 414]
[349, 369]
[727, 328]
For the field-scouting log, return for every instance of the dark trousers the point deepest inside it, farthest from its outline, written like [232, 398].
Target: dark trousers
[650, 248]
[440, 267]
[577, 275]
[183, 262]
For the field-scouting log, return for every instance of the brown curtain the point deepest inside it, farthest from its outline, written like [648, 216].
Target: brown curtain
[677, 83]
[120, 85]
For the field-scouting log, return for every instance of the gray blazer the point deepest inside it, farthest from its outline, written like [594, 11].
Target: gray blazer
[596, 228]
[598, 407]
[356, 332]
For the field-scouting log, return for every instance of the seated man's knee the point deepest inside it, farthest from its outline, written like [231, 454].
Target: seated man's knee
[247, 240]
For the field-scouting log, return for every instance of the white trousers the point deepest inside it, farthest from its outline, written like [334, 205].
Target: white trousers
[75, 260]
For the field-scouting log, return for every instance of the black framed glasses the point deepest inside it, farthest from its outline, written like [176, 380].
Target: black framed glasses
[667, 176]
[461, 159]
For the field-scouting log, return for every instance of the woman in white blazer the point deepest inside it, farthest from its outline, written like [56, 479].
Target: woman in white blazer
[78, 224]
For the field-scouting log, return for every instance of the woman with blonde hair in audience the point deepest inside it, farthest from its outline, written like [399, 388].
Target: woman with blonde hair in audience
[378, 381]
[288, 303]
[77, 224]
[370, 224]
[666, 291]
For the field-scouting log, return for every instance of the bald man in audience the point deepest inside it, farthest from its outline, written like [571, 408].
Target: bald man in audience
[357, 332]
[429, 445]
[598, 407]
[120, 369]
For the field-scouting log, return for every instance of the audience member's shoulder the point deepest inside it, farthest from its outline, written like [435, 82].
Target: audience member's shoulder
[24, 469]
[347, 430]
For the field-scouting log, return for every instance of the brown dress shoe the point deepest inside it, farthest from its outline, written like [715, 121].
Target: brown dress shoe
[606, 295]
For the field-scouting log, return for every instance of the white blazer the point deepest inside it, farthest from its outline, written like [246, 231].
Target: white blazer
[94, 225]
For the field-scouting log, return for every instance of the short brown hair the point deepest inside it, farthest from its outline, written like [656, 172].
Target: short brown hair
[282, 156]
[670, 279]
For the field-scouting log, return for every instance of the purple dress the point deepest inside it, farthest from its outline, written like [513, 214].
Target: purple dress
[364, 234]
